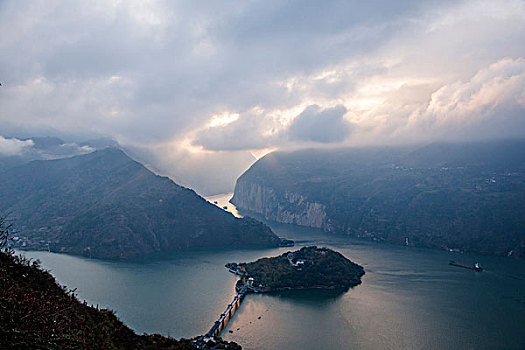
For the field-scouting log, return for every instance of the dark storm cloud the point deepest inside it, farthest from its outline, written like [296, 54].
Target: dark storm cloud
[320, 125]
[176, 62]
[152, 73]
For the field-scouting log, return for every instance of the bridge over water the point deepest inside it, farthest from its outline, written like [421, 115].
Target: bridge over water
[219, 325]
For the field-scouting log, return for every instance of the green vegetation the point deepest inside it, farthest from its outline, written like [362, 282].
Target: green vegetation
[307, 268]
[37, 313]
[468, 197]
[106, 205]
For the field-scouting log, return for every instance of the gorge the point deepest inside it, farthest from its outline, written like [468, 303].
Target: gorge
[467, 197]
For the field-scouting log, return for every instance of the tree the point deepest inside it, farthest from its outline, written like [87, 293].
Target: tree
[4, 232]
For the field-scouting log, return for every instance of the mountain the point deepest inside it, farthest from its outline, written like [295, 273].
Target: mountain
[44, 148]
[38, 313]
[468, 197]
[106, 205]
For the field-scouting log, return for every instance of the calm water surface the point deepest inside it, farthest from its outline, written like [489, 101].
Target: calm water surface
[409, 299]
[223, 201]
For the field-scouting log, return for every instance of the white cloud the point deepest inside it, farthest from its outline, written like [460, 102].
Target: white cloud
[490, 104]
[502, 84]
[156, 72]
[14, 147]
[252, 130]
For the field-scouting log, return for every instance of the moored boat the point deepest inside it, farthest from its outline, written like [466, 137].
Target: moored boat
[476, 267]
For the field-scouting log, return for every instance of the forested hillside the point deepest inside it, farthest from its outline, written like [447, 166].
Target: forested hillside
[106, 205]
[468, 197]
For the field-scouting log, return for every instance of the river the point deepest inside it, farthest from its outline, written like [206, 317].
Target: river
[409, 299]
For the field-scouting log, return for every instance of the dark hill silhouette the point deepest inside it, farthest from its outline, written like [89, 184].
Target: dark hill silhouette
[468, 196]
[106, 205]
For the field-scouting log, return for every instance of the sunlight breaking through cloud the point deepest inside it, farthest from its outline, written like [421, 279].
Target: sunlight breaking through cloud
[230, 77]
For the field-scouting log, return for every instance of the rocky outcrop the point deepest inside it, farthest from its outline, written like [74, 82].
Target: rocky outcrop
[284, 207]
[468, 197]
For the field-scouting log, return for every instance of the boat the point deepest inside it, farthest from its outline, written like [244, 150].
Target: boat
[476, 267]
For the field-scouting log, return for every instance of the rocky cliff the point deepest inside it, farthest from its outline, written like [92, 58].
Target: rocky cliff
[285, 207]
[469, 197]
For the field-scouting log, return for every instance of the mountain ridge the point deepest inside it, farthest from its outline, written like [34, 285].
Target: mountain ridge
[468, 197]
[106, 205]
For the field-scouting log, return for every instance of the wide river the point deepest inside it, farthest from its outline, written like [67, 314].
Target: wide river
[409, 299]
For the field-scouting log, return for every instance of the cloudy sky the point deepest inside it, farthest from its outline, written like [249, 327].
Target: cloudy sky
[202, 88]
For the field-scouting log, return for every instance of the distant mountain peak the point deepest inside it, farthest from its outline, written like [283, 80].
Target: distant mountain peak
[105, 204]
[455, 196]
[45, 142]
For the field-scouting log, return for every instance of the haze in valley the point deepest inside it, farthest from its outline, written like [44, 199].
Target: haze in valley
[200, 90]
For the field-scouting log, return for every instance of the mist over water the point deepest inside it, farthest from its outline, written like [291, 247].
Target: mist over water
[409, 299]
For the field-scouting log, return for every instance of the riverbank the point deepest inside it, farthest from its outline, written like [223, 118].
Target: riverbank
[409, 298]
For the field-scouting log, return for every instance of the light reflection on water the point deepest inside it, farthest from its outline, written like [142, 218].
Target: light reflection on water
[223, 200]
[409, 298]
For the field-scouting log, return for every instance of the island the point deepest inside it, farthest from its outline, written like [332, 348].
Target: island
[307, 268]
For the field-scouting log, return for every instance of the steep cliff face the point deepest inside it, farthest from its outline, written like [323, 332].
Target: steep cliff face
[284, 207]
[452, 196]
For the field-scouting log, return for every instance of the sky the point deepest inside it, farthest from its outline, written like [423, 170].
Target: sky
[200, 89]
